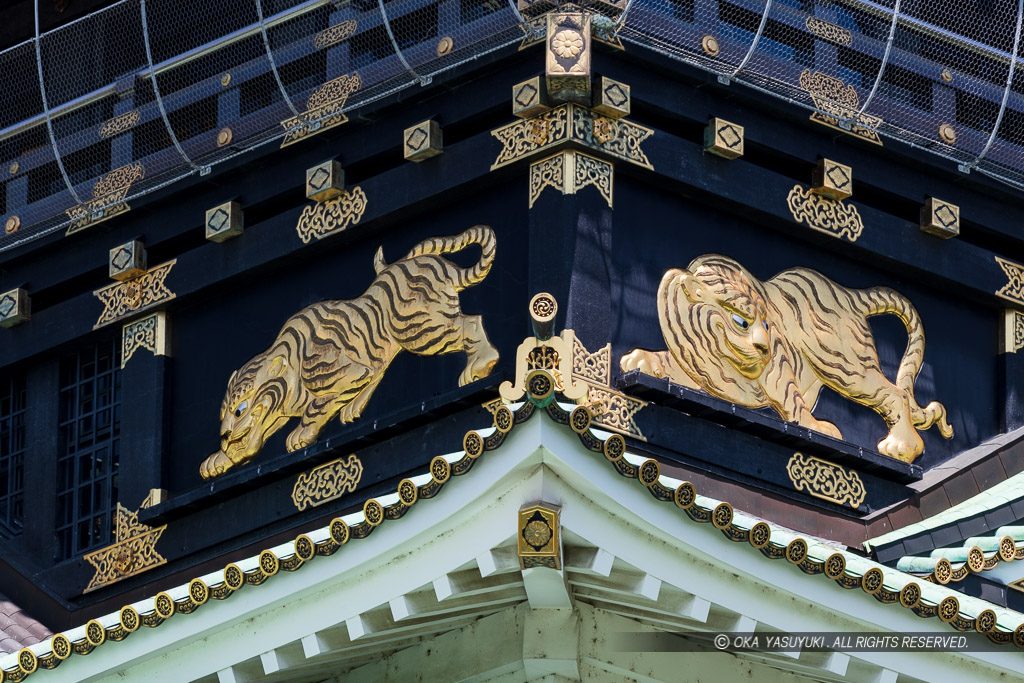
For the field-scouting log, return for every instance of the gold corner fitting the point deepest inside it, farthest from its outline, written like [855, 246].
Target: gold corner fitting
[123, 299]
[133, 551]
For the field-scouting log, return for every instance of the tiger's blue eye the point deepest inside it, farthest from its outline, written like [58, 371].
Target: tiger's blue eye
[765, 323]
[241, 408]
[740, 322]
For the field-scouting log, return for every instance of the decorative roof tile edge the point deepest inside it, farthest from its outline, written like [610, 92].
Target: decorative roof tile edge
[849, 571]
[978, 554]
[1007, 491]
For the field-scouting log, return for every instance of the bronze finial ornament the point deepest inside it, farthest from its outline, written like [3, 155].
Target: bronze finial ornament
[778, 342]
[329, 357]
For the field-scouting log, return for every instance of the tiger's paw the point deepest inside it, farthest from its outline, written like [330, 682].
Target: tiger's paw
[301, 436]
[646, 362]
[215, 465]
[479, 365]
[902, 444]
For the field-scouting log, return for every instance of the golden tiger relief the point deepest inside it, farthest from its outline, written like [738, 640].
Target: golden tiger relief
[329, 357]
[778, 342]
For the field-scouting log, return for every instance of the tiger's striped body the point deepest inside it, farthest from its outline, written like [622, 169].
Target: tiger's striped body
[330, 356]
[777, 343]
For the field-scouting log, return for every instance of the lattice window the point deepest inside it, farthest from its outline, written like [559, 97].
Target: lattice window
[12, 451]
[87, 464]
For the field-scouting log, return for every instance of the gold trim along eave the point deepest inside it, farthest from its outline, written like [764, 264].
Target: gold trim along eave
[847, 570]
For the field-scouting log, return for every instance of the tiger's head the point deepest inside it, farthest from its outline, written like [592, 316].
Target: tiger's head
[722, 331]
[252, 410]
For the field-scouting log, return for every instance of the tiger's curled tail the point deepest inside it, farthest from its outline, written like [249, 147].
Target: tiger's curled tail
[463, 277]
[881, 301]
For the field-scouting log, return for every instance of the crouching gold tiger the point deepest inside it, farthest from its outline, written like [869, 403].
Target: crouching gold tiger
[329, 357]
[777, 343]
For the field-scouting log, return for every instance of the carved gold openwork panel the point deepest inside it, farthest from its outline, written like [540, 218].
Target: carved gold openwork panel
[838, 102]
[566, 123]
[830, 216]
[326, 218]
[327, 482]
[133, 551]
[119, 124]
[610, 409]
[828, 31]
[1012, 338]
[826, 480]
[570, 171]
[777, 342]
[123, 299]
[108, 195]
[323, 109]
[335, 34]
[1013, 290]
[149, 333]
[329, 357]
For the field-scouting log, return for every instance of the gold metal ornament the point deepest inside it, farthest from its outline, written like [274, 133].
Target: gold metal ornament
[538, 542]
[329, 357]
[133, 551]
[571, 123]
[127, 261]
[327, 482]
[828, 31]
[1013, 290]
[544, 354]
[529, 99]
[150, 333]
[710, 46]
[325, 181]
[108, 195]
[832, 217]
[225, 136]
[422, 141]
[119, 124]
[778, 342]
[123, 299]
[947, 75]
[609, 409]
[723, 138]
[225, 79]
[324, 109]
[14, 168]
[940, 218]
[839, 101]
[444, 46]
[832, 180]
[224, 222]
[335, 34]
[570, 171]
[567, 65]
[1011, 339]
[334, 215]
[947, 133]
[826, 480]
[12, 224]
[15, 307]
[611, 98]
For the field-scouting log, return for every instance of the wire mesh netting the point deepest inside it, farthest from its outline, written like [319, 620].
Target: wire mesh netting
[940, 76]
[144, 93]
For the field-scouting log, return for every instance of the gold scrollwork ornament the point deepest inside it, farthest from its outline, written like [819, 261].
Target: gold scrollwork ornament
[826, 480]
[327, 482]
[326, 218]
[830, 216]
